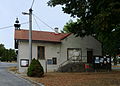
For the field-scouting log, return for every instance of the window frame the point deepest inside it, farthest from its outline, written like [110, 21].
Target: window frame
[80, 49]
[39, 50]
[54, 59]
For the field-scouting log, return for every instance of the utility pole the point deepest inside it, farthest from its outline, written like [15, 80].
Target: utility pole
[30, 33]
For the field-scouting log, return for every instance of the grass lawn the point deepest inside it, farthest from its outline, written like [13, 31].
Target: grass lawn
[80, 79]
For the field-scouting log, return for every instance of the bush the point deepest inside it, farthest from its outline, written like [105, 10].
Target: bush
[35, 69]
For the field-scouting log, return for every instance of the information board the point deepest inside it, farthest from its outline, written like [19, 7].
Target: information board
[24, 62]
[102, 63]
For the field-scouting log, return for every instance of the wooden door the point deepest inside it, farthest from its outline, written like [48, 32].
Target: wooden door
[89, 56]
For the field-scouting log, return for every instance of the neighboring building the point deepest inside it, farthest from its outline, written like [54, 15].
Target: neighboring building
[53, 49]
[118, 58]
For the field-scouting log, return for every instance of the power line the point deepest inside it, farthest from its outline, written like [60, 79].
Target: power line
[12, 26]
[24, 23]
[32, 3]
[6, 27]
[39, 18]
[36, 23]
[43, 22]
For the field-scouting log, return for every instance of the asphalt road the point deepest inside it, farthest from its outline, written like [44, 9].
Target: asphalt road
[9, 79]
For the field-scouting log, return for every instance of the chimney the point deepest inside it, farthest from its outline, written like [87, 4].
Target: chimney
[56, 30]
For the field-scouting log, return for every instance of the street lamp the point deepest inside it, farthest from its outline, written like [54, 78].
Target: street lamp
[30, 32]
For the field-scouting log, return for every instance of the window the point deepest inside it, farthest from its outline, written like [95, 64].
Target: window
[74, 54]
[54, 60]
[49, 61]
[41, 52]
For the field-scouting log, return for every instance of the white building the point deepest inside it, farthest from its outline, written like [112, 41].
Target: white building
[53, 49]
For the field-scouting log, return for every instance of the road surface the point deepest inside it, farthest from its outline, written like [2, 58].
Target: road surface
[8, 79]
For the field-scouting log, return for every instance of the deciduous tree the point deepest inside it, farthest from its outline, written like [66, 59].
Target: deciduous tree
[100, 18]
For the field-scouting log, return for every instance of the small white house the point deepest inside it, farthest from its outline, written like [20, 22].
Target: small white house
[53, 49]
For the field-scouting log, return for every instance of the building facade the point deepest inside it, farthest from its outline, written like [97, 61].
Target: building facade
[53, 49]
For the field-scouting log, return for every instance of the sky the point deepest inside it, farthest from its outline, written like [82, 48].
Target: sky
[12, 9]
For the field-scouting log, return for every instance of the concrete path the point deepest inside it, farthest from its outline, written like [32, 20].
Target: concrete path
[8, 79]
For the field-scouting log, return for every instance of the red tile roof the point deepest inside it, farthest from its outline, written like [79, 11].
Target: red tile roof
[40, 36]
[118, 55]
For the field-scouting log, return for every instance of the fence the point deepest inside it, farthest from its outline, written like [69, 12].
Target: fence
[102, 63]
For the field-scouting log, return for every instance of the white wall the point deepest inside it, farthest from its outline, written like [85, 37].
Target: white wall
[85, 43]
[59, 50]
[51, 50]
[23, 53]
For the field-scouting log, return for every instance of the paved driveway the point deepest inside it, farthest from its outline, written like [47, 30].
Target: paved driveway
[8, 79]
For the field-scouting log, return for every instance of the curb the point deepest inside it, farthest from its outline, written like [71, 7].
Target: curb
[16, 75]
[27, 80]
[35, 83]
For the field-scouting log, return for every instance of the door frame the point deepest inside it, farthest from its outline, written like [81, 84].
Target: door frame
[89, 55]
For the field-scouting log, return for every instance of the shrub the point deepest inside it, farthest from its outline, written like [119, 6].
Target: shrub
[35, 69]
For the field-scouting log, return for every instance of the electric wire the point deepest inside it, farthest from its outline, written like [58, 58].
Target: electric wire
[37, 23]
[32, 3]
[24, 23]
[39, 18]
[43, 22]
[6, 27]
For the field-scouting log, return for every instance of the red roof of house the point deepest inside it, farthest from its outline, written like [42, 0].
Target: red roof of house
[118, 55]
[40, 36]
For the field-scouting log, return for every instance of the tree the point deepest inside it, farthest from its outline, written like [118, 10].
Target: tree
[7, 54]
[11, 55]
[2, 48]
[69, 24]
[35, 69]
[95, 17]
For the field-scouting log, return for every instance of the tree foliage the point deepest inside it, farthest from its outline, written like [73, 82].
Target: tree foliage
[69, 24]
[100, 18]
[35, 69]
[2, 48]
[94, 15]
[7, 54]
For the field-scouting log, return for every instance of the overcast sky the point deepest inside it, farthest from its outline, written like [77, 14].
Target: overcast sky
[10, 9]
